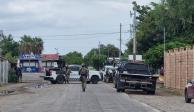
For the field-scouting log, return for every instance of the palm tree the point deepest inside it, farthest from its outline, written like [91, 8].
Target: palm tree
[31, 45]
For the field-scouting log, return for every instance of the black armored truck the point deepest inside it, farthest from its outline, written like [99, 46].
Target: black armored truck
[131, 75]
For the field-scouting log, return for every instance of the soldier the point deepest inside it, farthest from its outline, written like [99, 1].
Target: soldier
[68, 72]
[19, 73]
[83, 72]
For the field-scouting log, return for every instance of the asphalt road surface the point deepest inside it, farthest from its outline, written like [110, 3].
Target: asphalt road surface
[70, 98]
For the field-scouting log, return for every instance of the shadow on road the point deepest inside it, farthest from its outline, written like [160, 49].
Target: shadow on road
[136, 92]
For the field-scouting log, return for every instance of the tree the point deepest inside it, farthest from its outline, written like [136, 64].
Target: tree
[178, 19]
[155, 55]
[98, 61]
[73, 58]
[105, 51]
[31, 45]
[10, 48]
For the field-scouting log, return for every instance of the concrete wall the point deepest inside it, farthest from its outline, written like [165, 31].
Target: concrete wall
[179, 67]
[4, 69]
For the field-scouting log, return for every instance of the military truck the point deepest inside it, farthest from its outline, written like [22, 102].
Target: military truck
[133, 75]
[54, 68]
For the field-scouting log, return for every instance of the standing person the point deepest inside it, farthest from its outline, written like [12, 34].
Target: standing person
[83, 72]
[19, 73]
[68, 72]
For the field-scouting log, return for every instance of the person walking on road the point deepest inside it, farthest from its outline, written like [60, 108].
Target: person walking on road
[19, 73]
[68, 72]
[83, 72]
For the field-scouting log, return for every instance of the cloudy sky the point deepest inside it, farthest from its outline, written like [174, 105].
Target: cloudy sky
[58, 22]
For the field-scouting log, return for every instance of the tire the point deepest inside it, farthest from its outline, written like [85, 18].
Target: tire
[115, 86]
[94, 79]
[151, 92]
[122, 90]
[53, 82]
[60, 79]
[187, 99]
[106, 80]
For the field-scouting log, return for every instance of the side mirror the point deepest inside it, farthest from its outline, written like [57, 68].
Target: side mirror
[189, 81]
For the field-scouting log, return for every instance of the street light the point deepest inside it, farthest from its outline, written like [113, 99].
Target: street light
[0, 51]
[57, 50]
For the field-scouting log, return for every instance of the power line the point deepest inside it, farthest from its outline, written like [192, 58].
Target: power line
[83, 34]
[125, 24]
[70, 35]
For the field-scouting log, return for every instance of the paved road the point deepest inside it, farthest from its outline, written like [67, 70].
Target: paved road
[69, 98]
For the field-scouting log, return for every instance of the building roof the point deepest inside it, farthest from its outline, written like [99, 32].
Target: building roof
[50, 57]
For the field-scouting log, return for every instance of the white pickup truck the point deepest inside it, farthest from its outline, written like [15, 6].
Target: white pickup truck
[56, 75]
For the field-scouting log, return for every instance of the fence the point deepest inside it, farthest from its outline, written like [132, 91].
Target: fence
[179, 67]
[4, 69]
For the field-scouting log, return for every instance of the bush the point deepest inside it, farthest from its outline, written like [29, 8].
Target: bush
[12, 76]
[155, 55]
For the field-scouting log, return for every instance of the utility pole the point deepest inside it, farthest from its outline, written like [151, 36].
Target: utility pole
[99, 48]
[1, 34]
[57, 50]
[1, 37]
[164, 40]
[134, 32]
[108, 53]
[99, 56]
[120, 41]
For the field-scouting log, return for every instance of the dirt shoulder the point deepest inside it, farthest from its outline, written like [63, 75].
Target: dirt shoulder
[165, 100]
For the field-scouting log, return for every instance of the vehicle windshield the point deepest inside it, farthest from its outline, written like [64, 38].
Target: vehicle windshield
[74, 68]
[137, 69]
[192, 81]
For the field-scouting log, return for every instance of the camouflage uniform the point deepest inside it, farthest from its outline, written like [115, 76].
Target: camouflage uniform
[19, 74]
[83, 72]
[68, 71]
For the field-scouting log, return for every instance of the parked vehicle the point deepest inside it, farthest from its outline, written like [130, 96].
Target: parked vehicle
[135, 76]
[74, 75]
[189, 91]
[109, 75]
[55, 75]
[93, 77]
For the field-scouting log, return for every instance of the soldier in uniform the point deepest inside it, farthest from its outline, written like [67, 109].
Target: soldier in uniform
[68, 72]
[83, 72]
[19, 73]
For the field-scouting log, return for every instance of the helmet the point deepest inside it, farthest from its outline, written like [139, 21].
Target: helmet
[83, 65]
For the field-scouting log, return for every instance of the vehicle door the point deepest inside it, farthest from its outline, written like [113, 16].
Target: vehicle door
[74, 75]
[190, 87]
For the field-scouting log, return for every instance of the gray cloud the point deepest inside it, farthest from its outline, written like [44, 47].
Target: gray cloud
[50, 17]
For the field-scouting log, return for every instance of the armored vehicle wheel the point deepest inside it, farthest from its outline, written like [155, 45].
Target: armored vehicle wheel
[60, 79]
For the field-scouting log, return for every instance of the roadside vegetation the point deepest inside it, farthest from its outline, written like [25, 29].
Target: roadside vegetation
[11, 48]
[176, 16]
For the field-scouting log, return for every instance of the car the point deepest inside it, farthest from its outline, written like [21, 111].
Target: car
[132, 75]
[189, 91]
[108, 73]
[74, 75]
[93, 77]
